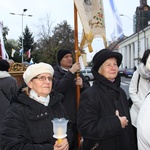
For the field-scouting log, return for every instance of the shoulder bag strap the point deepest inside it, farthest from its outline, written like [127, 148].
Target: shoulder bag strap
[138, 83]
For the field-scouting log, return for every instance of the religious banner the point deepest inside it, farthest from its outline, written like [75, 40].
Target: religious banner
[92, 18]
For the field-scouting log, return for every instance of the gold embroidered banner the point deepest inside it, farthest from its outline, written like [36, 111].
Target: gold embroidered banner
[92, 18]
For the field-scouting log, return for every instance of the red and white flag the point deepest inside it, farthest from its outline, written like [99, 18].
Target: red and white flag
[29, 53]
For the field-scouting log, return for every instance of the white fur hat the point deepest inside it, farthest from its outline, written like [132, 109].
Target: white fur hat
[36, 69]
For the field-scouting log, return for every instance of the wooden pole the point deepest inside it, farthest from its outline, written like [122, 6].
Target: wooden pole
[76, 58]
[76, 49]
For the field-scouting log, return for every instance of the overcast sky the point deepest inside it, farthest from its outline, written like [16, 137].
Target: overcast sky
[60, 10]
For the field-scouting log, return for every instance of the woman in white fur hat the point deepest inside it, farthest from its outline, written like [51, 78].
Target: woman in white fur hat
[28, 122]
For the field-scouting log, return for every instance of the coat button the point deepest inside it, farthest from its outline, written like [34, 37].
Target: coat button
[45, 113]
[38, 116]
[41, 114]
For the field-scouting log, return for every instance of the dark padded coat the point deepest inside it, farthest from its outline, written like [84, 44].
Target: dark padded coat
[64, 82]
[97, 122]
[8, 86]
[28, 125]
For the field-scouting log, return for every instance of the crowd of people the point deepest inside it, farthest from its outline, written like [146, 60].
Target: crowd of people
[103, 119]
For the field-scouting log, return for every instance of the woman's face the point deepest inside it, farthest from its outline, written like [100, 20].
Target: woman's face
[41, 84]
[109, 69]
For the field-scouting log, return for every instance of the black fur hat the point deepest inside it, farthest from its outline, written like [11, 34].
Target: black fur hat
[101, 56]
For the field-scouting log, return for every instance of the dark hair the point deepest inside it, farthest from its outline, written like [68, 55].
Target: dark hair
[4, 65]
[145, 56]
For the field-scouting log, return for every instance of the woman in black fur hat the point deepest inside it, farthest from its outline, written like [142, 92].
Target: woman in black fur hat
[103, 114]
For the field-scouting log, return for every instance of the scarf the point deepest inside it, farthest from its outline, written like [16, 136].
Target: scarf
[40, 99]
[144, 73]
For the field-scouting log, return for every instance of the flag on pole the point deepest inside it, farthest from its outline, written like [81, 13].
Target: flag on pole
[3, 53]
[20, 52]
[92, 17]
[31, 61]
[118, 29]
[29, 53]
[12, 52]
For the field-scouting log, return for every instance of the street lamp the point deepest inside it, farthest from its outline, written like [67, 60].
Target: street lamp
[24, 10]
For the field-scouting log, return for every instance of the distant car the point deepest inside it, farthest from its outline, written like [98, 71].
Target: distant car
[122, 71]
[129, 72]
[88, 74]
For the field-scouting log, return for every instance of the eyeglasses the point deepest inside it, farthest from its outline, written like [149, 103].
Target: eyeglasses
[43, 78]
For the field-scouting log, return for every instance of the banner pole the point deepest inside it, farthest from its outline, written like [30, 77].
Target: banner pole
[76, 58]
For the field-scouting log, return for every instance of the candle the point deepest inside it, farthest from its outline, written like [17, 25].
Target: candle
[59, 128]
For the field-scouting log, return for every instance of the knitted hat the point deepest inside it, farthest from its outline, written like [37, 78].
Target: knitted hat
[104, 54]
[4, 65]
[36, 69]
[61, 53]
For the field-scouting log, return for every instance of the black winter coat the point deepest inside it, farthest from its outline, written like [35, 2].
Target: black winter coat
[8, 86]
[28, 125]
[64, 82]
[97, 122]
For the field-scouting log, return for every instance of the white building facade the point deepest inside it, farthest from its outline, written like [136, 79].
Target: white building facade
[133, 47]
